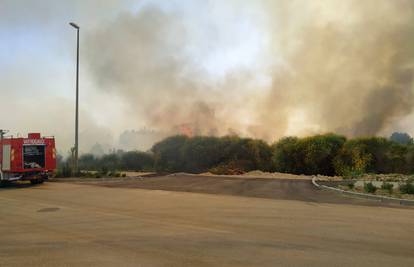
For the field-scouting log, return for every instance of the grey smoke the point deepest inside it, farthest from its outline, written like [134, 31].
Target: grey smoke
[349, 77]
[302, 67]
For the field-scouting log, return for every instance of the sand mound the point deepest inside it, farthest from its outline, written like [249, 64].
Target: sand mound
[262, 174]
[279, 175]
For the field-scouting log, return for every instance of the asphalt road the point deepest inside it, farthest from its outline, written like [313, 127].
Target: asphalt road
[286, 189]
[65, 224]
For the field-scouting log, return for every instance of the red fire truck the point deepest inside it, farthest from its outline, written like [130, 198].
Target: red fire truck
[32, 158]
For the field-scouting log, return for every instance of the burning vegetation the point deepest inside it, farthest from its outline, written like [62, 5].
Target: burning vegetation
[327, 154]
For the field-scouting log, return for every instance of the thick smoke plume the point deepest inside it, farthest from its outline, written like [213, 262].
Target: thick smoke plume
[343, 66]
[352, 70]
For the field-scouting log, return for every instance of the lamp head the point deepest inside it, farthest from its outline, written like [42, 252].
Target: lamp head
[74, 25]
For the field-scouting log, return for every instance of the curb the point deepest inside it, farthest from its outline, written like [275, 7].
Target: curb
[363, 195]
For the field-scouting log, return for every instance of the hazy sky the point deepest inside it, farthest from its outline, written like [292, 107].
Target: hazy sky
[257, 68]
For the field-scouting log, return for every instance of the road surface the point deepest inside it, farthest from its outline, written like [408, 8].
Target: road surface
[286, 189]
[66, 224]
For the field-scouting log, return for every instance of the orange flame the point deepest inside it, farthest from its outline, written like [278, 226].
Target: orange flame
[186, 130]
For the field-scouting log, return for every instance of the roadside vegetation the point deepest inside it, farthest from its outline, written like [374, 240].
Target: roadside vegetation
[109, 165]
[327, 154]
[398, 189]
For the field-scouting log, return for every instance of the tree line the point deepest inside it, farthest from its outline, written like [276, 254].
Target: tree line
[326, 154]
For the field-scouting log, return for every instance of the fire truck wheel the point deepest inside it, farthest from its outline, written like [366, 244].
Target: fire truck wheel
[36, 181]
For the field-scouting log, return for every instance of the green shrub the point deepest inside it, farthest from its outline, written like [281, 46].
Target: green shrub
[202, 153]
[168, 154]
[352, 160]
[136, 160]
[88, 162]
[351, 185]
[64, 171]
[113, 174]
[86, 174]
[309, 155]
[370, 187]
[387, 186]
[407, 188]
[123, 175]
[104, 171]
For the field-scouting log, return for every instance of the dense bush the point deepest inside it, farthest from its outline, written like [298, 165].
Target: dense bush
[370, 188]
[407, 188]
[64, 170]
[88, 162]
[408, 160]
[109, 163]
[387, 186]
[332, 154]
[373, 155]
[286, 155]
[351, 185]
[136, 161]
[310, 155]
[200, 154]
[327, 154]
[248, 154]
[168, 154]
[352, 159]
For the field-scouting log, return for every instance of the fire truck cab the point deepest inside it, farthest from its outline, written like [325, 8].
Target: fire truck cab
[32, 158]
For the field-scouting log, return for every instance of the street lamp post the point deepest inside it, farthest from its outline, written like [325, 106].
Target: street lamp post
[77, 100]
